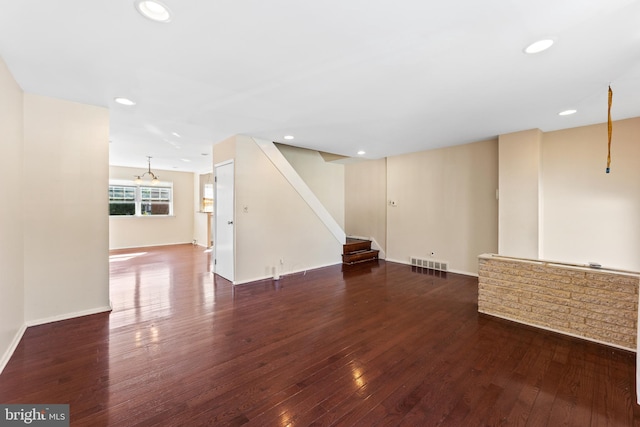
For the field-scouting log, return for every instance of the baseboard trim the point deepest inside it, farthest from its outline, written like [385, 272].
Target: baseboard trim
[20, 333]
[284, 275]
[67, 316]
[157, 245]
[465, 273]
[12, 347]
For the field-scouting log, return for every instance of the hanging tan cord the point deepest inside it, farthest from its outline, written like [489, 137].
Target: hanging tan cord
[609, 127]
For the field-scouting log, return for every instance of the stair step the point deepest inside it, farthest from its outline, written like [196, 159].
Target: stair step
[360, 256]
[354, 245]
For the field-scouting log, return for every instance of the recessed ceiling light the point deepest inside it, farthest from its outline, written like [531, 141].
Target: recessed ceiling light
[289, 137]
[124, 101]
[567, 112]
[538, 46]
[360, 153]
[176, 134]
[185, 160]
[154, 10]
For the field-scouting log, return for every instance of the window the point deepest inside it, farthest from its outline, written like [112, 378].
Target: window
[155, 201]
[206, 192]
[122, 200]
[207, 199]
[131, 200]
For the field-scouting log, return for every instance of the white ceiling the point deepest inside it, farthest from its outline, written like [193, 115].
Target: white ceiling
[340, 75]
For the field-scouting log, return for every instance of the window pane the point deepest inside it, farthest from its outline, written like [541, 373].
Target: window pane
[155, 194]
[155, 208]
[121, 193]
[122, 208]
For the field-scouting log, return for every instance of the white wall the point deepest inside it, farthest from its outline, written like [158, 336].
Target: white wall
[11, 222]
[446, 204]
[272, 222]
[133, 232]
[519, 188]
[325, 179]
[66, 270]
[590, 215]
[366, 200]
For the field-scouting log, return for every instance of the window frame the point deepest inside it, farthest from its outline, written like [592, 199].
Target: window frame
[140, 200]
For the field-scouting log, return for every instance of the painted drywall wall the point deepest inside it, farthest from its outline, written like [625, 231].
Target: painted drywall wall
[133, 232]
[272, 222]
[519, 194]
[66, 227]
[325, 179]
[445, 203]
[366, 200]
[224, 150]
[11, 222]
[589, 215]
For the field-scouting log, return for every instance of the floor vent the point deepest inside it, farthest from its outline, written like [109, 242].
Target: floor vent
[430, 264]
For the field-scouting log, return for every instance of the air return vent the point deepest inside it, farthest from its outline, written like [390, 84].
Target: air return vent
[431, 264]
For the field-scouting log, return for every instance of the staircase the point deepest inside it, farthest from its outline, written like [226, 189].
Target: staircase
[358, 250]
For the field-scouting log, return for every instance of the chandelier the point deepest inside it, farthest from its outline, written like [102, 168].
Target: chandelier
[154, 179]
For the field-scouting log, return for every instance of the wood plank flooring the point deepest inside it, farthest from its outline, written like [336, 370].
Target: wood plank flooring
[364, 345]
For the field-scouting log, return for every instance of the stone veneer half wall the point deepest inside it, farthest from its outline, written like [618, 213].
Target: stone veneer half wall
[600, 305]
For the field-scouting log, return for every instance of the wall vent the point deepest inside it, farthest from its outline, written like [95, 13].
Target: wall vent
[430, 264]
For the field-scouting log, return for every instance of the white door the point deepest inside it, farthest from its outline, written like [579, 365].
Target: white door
[224, 246]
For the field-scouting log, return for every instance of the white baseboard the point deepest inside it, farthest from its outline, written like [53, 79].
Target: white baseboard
[20, 333]
[151, 246]
[12, 347]
[465, 273]
[67, 316]
[284, 275]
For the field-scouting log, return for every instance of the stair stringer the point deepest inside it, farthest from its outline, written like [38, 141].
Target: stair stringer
[290, 174]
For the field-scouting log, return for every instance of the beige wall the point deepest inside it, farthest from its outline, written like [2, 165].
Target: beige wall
[366, 200]
[132, 232]
[446, 204]
[66, 269]
[11, 222]
[224, 150]
[582, 214]
[272, 222]
[325, 179]
[589, 215]
[519, 189]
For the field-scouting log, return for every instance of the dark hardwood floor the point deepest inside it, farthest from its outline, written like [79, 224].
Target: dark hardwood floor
[357, 345]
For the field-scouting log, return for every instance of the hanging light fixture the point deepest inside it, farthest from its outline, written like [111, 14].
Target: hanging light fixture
[154, 179]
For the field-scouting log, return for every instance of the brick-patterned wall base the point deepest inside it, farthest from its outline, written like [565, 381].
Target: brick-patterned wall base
[598, 305]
